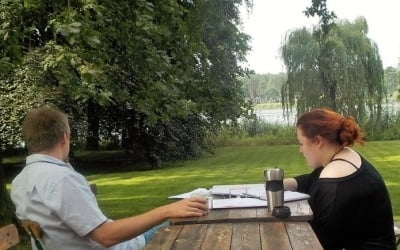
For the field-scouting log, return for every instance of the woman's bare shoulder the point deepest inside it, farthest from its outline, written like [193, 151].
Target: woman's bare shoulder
[346, 163]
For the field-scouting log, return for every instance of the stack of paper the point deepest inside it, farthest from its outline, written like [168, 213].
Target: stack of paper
[188, 194]
[238, 202]
[243, 195]
[253, 191]
[242, 190]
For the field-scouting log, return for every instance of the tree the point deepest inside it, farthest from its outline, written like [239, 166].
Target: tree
[158, 76]
[174, 66]
[392, 81]
[13, 107]
[263, 88]
[339, 63]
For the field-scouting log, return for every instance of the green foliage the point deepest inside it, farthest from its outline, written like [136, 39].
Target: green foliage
[327, 17]
[263, 88]
[255, 132]
[18, 84]
[157, 77]
[387, 129]
[122, 69]
[392, 82]
[299, 55]
[341, 70]
[10, 37]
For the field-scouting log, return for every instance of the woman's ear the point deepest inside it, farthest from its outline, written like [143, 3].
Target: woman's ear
[318, 140]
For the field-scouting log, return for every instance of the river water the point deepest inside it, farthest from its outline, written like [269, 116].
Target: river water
[275, 116]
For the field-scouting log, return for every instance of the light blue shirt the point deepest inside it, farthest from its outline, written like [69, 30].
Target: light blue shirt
[52, 193]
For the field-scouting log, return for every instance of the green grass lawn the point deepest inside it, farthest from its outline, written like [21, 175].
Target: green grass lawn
[132, 192]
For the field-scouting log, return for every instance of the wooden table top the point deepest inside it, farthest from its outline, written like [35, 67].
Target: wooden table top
[300, 211]
[246, 235]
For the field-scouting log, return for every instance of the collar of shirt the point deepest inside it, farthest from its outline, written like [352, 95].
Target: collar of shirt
[41, 158]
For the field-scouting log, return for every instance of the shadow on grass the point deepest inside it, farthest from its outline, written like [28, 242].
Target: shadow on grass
[87, 163]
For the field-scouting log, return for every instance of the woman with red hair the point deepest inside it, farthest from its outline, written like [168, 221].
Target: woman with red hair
[349, 199]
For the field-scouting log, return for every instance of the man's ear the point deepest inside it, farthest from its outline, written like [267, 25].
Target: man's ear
[64, 138]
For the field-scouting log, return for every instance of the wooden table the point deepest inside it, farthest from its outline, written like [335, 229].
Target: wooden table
[300, 211]
[245, 235]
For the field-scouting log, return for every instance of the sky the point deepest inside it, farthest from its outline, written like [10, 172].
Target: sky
[270, 20]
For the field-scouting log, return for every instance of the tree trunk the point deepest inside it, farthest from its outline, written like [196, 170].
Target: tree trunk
[92, 139]
[129, 132]
[7, 207]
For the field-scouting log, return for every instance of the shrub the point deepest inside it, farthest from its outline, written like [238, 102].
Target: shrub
[256, 132]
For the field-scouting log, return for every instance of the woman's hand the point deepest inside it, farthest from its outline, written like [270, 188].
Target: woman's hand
[290, 184]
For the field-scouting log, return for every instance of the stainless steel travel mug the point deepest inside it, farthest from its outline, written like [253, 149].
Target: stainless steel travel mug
[274, 187]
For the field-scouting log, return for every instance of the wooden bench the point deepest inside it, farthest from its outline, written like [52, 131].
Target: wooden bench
[32, 228]
[8, 236]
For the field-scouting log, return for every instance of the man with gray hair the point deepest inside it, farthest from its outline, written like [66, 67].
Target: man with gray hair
[48, 190]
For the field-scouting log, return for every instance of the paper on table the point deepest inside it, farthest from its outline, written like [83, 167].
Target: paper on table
[255, 202]
[238, 202]
[253, 191]
[238, 190]
[254, 195]
[187, 195]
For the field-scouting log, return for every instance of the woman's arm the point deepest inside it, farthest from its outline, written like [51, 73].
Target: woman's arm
[290, 184]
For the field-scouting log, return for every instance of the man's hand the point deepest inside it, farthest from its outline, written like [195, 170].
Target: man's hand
[190, 207]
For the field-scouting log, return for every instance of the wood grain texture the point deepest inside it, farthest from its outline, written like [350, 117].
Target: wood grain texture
[300, 211]
[218, 237]
[243, 235]
[164, 238]
[246, 236]
[302, 237]
[190, 237]
[274, 236]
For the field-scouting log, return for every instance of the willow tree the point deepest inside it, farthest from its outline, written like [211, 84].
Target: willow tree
[334, 65]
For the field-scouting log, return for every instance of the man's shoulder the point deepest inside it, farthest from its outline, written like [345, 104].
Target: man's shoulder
[44, 175]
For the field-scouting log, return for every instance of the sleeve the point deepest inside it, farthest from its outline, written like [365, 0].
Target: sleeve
[324, 204]
[328, 221]
[74, 203]
[305, 181]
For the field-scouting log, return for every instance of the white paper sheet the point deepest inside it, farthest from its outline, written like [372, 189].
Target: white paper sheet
[253, 191]
[238, 202]
[252, 195]
[238, 190]
[188, 194]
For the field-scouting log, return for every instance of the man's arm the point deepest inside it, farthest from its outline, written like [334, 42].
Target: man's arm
[113, 232]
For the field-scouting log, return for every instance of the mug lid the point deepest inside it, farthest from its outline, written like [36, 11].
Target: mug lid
[281, 212]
